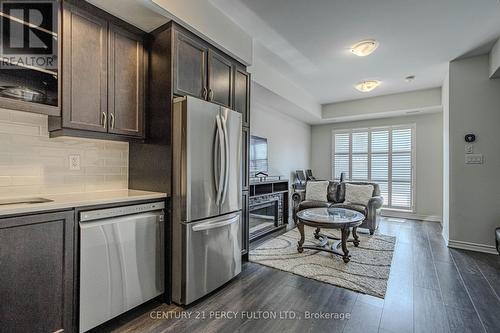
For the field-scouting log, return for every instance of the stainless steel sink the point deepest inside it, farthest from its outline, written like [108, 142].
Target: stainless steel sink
[23, 201]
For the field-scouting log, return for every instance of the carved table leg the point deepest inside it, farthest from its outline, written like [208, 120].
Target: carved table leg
[316, 233]
[345, 236]
[355, 236]
[300, 226]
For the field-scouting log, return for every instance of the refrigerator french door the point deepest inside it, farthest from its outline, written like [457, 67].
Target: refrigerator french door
[206, 197]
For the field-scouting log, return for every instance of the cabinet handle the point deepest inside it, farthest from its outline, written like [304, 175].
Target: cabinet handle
[104, 119]
[204, 93]
[210, 95]
[112, 120]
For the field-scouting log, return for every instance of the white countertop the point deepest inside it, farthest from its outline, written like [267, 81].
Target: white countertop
[73, 200]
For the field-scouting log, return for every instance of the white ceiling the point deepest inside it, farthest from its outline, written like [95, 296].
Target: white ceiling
[308, 40]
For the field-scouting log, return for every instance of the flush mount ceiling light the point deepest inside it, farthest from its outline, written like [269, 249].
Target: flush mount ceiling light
[364, 48]
[366, 86]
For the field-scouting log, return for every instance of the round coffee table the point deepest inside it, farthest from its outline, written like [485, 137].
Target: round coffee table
[330, 218]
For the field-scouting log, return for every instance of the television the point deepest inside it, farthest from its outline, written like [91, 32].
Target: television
[258, 155]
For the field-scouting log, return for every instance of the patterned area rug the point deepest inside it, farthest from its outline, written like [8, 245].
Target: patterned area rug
[367, 272]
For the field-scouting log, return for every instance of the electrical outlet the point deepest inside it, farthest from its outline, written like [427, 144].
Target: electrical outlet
[74, 162]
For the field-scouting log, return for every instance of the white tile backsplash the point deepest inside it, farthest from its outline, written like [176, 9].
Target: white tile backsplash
[33, 164]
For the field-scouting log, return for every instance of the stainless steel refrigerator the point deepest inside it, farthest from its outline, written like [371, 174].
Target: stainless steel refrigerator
[206, 197]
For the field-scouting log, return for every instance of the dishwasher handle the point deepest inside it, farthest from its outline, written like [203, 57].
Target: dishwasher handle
[213, 225]
[158, 215]
[99, 214]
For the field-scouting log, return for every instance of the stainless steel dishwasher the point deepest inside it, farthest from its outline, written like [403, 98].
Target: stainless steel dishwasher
[121, 260]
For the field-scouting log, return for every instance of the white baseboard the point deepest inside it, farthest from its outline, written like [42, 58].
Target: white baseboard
[409, 215]
[472, 246]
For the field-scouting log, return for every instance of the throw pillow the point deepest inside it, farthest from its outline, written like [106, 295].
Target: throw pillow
[317, 190]
[358, 194]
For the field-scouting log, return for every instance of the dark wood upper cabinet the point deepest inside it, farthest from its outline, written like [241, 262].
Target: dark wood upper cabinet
[85, 54]
[202, 71]
[126, 76]
[104, 72]
[220, 79]
[241, 99]
[190, 66]
[36, 275]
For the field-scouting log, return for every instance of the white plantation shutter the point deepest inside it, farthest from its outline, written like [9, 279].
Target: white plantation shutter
[359, 156]
[381, 155]
[401, 186]
[380, 161]
[341, 144]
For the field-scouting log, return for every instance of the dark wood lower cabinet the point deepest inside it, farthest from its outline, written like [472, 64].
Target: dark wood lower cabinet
[36, 273]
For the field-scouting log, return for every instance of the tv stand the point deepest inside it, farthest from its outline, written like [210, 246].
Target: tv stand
[268, 206]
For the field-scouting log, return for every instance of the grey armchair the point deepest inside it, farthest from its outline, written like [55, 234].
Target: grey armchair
[336, 198]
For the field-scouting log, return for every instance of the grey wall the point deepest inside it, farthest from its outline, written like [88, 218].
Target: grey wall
[429, 138]
[289, 140]
[393, 105]
[446, 157]
[474, 207]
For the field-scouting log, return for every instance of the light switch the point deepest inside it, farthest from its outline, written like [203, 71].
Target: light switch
[469, 149]
[474, 159]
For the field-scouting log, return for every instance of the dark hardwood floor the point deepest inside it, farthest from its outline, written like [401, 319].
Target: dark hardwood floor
[431, 289]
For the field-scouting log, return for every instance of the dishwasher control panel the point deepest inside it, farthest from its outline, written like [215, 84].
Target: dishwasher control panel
[98, 214]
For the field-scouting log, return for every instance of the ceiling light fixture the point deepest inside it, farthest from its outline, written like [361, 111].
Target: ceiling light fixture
[364, 48]
[366, 86]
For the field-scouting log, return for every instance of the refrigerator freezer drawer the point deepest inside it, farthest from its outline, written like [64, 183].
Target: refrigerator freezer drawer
[213, 255]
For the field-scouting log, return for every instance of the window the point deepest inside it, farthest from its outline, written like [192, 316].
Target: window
[383, 155]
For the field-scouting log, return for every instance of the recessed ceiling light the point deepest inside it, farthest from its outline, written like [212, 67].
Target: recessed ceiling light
[366, 86]
[410, 78]
[365, 47]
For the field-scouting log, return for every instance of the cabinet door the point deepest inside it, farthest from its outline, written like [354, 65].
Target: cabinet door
[126, 82]
[85, 41]
[220, 79]
[190, 66]
[241, 100]
[36, 275]
[245, 219]
[245, 158]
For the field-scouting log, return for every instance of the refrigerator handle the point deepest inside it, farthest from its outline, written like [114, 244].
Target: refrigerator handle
[213, 225]
[215, 157]
[226, 154]
[222, 161]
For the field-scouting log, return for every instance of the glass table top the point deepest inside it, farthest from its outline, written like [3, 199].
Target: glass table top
[330, 215]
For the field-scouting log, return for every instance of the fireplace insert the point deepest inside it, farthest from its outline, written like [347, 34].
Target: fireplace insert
[264, 217]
